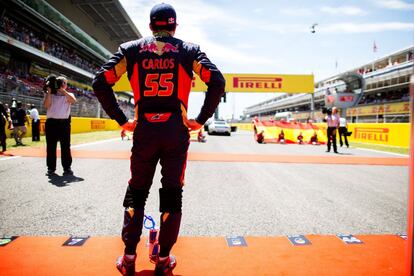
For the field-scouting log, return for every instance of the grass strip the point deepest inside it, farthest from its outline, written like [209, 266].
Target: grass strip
[75, 139]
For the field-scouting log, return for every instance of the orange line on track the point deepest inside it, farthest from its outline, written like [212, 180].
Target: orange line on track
[232, 157]
[379, 255]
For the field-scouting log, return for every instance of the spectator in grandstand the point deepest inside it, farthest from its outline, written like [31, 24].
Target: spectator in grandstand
[162, 131]
[4, 118]
[58, 103]
[34, 115]
[19, 119]
[343, 131]
[281, 138]
[332, 120]
[300, 138]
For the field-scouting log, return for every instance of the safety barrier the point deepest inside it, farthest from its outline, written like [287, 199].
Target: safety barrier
[388, 134]
[78, 125]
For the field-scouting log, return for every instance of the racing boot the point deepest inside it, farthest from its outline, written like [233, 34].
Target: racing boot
[165, 267]
[126, 265]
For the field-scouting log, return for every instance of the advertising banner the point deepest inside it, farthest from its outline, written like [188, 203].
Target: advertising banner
[257, 83]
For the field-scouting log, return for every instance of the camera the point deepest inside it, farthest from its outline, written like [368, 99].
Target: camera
[327, 110]
[53, 83]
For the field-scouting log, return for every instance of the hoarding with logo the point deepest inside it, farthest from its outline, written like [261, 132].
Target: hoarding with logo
[247, 83]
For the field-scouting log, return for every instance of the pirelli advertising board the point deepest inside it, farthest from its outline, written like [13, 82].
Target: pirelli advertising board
[247, 83]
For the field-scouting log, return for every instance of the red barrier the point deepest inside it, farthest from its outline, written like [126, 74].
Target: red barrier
[410, 247]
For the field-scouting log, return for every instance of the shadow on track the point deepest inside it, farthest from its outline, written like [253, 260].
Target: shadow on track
[64, 180]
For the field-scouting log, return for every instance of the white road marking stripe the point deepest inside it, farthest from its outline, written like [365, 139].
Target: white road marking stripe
[94, 143]
[379, 151]
[76, 146]
[8, 158]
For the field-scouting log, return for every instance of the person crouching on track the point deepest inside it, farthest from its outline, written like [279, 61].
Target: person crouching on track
[160, 70]
[314, 139]
[281, 138]
[300, 139]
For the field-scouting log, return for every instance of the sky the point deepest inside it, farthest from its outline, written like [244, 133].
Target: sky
[274, 37]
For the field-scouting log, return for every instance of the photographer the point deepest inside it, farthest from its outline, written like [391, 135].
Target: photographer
[58, 102]
[332, 120]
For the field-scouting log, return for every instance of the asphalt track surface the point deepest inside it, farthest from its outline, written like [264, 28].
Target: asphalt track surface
[220, 198]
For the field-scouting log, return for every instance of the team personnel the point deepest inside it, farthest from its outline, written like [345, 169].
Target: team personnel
[19, 119]
[4, 117]
[343, 131]
[58, 103]
[160, 70]
[34, 115]
[332, 120]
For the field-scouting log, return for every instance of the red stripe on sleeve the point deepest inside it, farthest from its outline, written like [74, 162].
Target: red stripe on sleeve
[110, 76]
[134, 81]
[205, 74]
[184, 85]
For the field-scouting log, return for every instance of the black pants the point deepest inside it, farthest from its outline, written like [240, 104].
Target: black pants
[35, 130]
[331, 133]
[58, 130]
[166, 142]
[3, 135]
[343, 131]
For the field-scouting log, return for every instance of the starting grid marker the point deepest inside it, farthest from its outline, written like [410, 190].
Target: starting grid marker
[236, 241]
[75, 241]
[402, 236]
[299, 240]
[349, 239]
[6, 240]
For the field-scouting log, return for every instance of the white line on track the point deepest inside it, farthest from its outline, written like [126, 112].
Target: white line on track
[387, 152]
[76, 146]
[8, 158]
[94, 143]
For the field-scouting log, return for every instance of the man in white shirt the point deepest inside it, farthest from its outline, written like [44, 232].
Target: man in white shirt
[34, 115]
[343, 131]
[58, 102]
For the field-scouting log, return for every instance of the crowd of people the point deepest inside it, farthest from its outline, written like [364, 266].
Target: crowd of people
[32, 85]
[30, 37]
[385, 98]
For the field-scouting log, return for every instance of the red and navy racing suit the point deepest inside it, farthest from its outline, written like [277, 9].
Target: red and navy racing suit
[160, 71]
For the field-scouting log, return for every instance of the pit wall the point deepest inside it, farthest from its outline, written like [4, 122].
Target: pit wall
[388, 134]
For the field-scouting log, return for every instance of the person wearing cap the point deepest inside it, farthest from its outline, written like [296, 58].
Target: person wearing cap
[34, 115]
[19, 120]
[160, 70]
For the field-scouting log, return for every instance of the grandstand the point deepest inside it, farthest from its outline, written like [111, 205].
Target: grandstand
[385, 99]
[67, 37]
